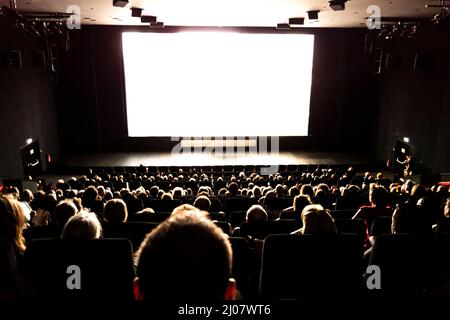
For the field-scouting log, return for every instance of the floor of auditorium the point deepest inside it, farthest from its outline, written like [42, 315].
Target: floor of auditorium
[205, 159]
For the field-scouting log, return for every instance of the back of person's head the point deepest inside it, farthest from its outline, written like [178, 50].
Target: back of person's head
[317, 221]
[408, 218]
[64, 211]
[82, 226]
[202, 203]
[178, 192]
[204, 189]
[257, 192]
[279, 190]
[27, 195]
[418, 191]
[233, 188]
[447, 208]
[185, 257]
[115, 211]
[12, 222]
[294, 191]
[13, 192]
[167, 196]
[307, 190]
[89, 195]
[256, 214]
[378, 196]
[300, 202]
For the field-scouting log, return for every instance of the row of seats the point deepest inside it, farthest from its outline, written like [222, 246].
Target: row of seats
[293, 267]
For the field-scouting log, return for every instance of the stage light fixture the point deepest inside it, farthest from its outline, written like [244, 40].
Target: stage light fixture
[296, 21]
[313, 14]
[136, 12]
[406, 139]
[148, 19]
[120, 3]
[337, 5]
[283, 26]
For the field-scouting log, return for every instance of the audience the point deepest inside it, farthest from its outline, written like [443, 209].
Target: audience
[186, 255]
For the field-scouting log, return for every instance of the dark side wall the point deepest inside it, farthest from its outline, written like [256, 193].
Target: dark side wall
[415, 102]
[27, 108]
[91, 94]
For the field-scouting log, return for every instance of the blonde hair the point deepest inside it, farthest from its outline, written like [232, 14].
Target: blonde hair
[317, 220]
[82, 226]
[12, 222]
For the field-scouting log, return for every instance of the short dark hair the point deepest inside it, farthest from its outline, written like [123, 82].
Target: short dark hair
[185, 257]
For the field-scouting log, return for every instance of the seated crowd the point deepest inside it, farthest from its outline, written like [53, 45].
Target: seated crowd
[189, 251]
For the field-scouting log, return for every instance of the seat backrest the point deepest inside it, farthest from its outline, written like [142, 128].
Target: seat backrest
[104, 268]
[155, 217]
[8, 272]
[282, 226]
[278, 204]
[257, 230]
[243, 263]
[412, 264]
[133, 231]
[219, 216]
[238, 204]
[237, 217]
[162, 205]
[225, 226]
[380, 226]
[41, 232]
[356, 226]
[310, 267]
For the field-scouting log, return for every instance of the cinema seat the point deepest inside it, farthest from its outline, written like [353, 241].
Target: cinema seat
[8, 277]
[356, 226]
[412, 265]
[380, 226]
[225, 226]
[311, 267]
[238, 204]
[105, 265]
[162, 205]
[244, 264]
[133, 231]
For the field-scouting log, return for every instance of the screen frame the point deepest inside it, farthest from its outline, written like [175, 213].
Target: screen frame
[177, 29]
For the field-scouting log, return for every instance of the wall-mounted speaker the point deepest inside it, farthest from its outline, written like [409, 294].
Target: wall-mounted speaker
[12, 59]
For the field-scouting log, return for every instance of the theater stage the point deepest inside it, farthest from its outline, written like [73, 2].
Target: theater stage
[206, 159]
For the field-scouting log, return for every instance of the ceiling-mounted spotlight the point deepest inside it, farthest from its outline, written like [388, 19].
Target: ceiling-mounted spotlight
[337, 5]
[136, 12]
[120, 3]
[313, 14]
[158, 24]
[148, 19]
[283, 26]
[296, 21]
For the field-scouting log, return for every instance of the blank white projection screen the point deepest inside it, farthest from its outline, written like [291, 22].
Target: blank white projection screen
[215, 84]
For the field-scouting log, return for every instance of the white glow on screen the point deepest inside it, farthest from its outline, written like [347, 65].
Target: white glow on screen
[217, 84]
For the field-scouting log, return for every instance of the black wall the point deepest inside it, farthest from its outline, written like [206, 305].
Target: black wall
[415, 102]
[27, 108]
[91, 97]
